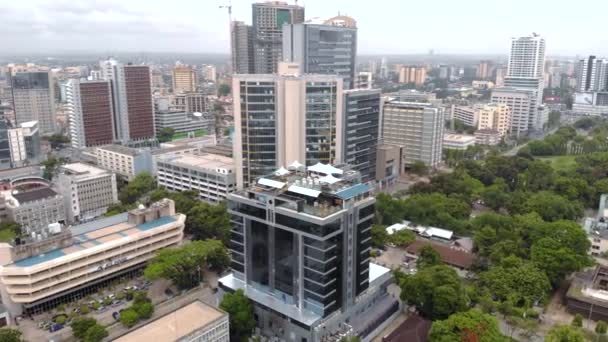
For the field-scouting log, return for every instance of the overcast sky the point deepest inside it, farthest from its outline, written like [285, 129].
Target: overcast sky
[385, 26]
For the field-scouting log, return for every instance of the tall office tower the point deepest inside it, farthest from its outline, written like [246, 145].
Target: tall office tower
[300, 245]
[284, 118]
[383, 68]
[483, 70]
[268, 20]
[417, 128]
[5, 150]
[412, 74]
[24, 142]
[241, 44]
[501, 72]
[90, 113]
[373, 67]
[184, 79]
[34, 99]
[364, 80]
[209, 73]
[361, 120]
[132, 101]
[525, 72]
[495, 117]
[592, 74]
[326, 47]
[519, 102]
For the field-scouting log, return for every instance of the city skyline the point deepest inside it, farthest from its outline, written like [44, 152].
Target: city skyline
[187, 26]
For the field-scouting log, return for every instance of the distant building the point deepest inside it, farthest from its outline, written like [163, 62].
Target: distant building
[88, 191]
[488, 137]
[5, 148]
[412, 75]
[192, 103]
[24, 142]
[34, 99]
[36, 209]
[592, 74]
[466, 114]
[195, 322]
[417, 128]
[185, 123]
[124, 161]
[483, 70]
[458, 141]
[496, 116]
[184, 79]
[242, 48]
[327, 47]
[520, 103]
[361, 120]
[213, 177]
[90, 113]
[364, 80]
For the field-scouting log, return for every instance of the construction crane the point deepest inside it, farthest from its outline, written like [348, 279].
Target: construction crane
[229, 8]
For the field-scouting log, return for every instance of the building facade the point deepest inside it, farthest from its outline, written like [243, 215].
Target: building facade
[323, 47]
[184, 79]
[268, 19]
[88, 191]
[242, 48]
[90, 113]
[35, 210]
[125, 161]
[300, 246]
[34, 100]
[417, 128]
[458, 141]
[495, 117]
[361, 118]
[466, 114]
[284, 118]
[5, 148]
[184, 122]
[519, 102]
[94, 253]
[592, 74]
[213, 177]
[412, 74]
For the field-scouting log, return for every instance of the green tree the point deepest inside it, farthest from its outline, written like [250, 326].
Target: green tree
[389, 210]
[496, 195]
[472, 325]
[436, 210]
[402, 238]
[436, 291]
[419, 168]
[208, 221]
[96, 333]
[556, 259]
[552, 207]
[224, 89]
[51, 165]
[379, 236]
[129, 317]
[140, 186]
[577, 321]
[350, 339]
[144, 310]
[554, 118]
[240, 311]
[564, 333]
[601, 327]
[428, 257]
[80, 326]
[57, 140]
[165, 134]
[10, 335]
[184, 265]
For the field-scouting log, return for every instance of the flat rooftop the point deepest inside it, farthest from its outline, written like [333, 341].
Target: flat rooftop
[203, 160]
[34, 195]
[458, 137]
[91, 235]
[175, 325]
[120, 149]
[82, 169]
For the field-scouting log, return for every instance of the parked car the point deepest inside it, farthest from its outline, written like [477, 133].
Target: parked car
[115, 315]
[55, 327]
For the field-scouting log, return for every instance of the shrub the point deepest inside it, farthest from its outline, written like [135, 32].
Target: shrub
[129, 317]
[144, 310]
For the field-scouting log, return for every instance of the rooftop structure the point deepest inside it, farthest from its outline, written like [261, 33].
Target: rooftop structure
[450, 255]
[95, 252]
[588, 294]
[458, 141]
[196, 321]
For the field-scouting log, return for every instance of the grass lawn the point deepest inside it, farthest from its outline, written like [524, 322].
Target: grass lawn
[560, 163]
[6, 235]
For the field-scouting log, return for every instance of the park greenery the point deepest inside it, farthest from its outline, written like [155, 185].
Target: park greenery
[240, 311]
[10, 335]
[522, 213]
[87, 329]
[184, 265]
[141, 309]
[165, 134]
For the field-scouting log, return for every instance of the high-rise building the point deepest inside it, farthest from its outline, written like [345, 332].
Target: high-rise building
[209, 73]
[268, 20]
[519, 102]
[284, 118]
[300, 246]
[34, 99]
[327, 47]
[361, 120]
[383, 68]
[90, 113]
[184, 79]
[495, 117]
[132, 100]
[242, 48]
[592, 74]
[5, 149]
[483, 70]
[525, 72]
[365, 80]
[412, 74]
[417, 128]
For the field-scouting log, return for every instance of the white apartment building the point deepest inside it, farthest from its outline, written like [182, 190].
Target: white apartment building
[466, 114]
[519, 102]
[88, 191]
[195, 322]
[124, 161]
[212, 176]
[496, 117]
[592, 74]
[34, 280]
[458, 141]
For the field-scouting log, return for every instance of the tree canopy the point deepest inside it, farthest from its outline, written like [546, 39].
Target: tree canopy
[141, 185]
[472, 325]
[165, 134]
[10, 335]
[240, 311]
[564, 333]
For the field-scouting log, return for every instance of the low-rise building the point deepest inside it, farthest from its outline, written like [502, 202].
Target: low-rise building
[42, 275]
[212, 176]
[588, 294]
[388, 165]
[125, 161]
[184, 123]
[35, 209]
[466, 114]
[489, 137]
[88, 191]
[195, 322]
[458, 141]
[450, 255]
[24, 144]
